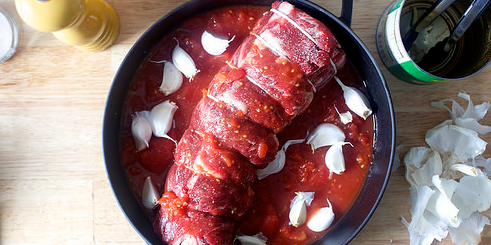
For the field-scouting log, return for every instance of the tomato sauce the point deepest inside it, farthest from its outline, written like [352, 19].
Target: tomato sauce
[304, 169]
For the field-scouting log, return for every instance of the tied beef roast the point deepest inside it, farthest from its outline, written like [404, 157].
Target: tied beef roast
[271, 79]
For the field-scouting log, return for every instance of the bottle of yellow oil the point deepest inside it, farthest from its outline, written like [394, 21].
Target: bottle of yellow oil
[86, 24]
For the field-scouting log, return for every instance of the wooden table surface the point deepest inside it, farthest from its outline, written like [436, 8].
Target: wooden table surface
[53, 185]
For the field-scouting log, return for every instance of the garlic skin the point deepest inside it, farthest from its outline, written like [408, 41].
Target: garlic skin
[461, 142]
[324, 135]
[141, 130]
[440, 203]
[469, 117]
[171, 80]
[422, 164]
[214, 45]
[321, 219]
[161, 117]
[355, 100]
[472, 195]
[459, 189]
[257, 239]
[334, 158]
[278, 163]
[150, 195]
[469, 231]
[183, 62]
[298, 208]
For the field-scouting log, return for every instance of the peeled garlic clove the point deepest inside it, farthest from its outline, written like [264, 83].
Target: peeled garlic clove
[345, 117]
[141, 130]
[278, 163]
[273, 167]
[335, 159]
[150, 195]
[172, 79]
[214, 45]
[161, 118]
[298, 214]
[298, 207]
[464, 168]
[322, 219]
[325, 134]
[184, 62]
[355, 100]
[257, 239]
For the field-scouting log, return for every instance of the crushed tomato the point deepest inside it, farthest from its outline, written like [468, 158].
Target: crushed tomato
[304, 169]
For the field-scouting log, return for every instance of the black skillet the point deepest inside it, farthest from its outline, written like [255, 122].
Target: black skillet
[346, 228]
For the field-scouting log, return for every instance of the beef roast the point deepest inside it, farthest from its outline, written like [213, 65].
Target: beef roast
[270, 79]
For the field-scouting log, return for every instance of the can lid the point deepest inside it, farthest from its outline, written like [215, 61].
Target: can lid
[9, 34]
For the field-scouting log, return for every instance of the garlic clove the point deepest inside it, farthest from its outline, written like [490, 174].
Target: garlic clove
[345, 117]
[161, 117]
[355, 100]
[322, 218]
[298, 214]
[257, 239]
[273, 167]
[324, 135]
[150, 195]
[141, 130]
[183, 62]
[334, 158]
[214, 45]
[172, 79]
[464, 168]
[278, 163]
[298, 207]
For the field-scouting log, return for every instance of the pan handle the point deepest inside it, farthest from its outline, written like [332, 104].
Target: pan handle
[347, 12]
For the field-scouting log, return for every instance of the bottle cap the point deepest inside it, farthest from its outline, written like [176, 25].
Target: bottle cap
[9, 34]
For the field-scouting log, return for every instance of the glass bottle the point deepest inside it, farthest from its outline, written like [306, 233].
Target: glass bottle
[86, 24]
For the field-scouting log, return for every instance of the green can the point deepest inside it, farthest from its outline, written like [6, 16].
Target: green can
[468, 56]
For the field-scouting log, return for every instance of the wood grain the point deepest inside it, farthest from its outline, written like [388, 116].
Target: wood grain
[53, 186]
